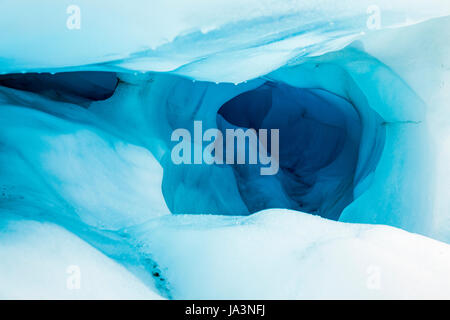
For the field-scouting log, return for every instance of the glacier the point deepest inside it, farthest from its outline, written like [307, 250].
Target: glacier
[359, 208]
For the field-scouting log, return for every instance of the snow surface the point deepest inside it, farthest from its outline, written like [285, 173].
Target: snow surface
[38, 260]
[282, 254]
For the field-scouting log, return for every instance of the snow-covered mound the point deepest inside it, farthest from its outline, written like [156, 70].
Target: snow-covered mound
[282, 254]
[44, 261]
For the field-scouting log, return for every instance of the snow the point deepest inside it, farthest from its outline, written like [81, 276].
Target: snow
[282, 254]
[38, 260]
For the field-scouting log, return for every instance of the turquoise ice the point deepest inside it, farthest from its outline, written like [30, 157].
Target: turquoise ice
[359, 209]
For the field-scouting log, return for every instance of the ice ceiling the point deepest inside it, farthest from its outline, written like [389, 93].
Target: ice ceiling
[86, 179]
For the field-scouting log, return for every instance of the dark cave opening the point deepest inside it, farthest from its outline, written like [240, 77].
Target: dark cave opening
[72, 87]
[319, 138]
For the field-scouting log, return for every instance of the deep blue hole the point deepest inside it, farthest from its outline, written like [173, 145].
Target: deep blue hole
[74, 87]
[319, 142]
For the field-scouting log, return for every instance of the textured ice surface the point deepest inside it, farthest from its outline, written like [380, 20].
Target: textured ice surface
[217, 41]
[91, 184]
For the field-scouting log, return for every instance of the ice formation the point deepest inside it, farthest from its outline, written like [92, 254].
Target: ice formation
[359, 208]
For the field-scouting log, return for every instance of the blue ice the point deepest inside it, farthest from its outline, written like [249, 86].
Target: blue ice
[87, 182]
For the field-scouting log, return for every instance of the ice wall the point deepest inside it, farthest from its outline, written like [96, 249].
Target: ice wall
[216, 41]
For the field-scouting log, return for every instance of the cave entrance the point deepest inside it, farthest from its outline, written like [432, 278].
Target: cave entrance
[80, 87]
[319, 138]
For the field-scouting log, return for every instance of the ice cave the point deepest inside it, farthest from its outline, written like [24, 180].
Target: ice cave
[92, 205]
